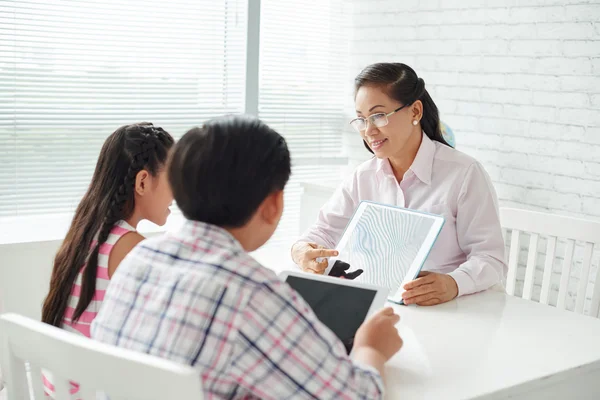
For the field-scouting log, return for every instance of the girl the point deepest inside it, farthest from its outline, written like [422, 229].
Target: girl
[414, 167]
[129, 184]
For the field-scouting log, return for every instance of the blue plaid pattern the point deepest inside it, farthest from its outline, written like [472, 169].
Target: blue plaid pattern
[196, 297]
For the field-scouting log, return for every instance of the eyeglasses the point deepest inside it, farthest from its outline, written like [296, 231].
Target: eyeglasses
[378, 120]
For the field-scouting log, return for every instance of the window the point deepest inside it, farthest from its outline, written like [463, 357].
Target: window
[73, 71]
[303, 60]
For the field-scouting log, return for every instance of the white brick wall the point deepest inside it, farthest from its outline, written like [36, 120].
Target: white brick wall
[517, 80]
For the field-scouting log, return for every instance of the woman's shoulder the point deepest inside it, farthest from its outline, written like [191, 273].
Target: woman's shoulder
[462, 169]
[458, 167]
[448, 155]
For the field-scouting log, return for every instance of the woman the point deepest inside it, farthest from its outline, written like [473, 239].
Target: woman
[415, 168]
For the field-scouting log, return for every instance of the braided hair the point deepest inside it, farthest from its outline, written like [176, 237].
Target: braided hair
[109, 199]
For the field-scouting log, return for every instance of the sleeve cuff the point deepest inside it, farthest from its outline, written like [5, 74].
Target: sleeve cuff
[374, 373]
[466, 284]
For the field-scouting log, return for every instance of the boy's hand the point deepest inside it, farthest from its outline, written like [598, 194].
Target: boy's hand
[378, 338]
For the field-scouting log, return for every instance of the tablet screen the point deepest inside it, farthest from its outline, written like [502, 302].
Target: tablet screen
[341, 308]
[390, 244]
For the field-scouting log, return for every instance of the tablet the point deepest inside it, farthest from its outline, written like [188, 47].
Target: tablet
[390, 244]
[341, 305]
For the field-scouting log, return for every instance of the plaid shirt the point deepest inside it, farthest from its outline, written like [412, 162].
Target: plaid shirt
[196, 297]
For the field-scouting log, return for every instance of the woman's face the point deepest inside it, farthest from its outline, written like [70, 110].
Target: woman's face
[391, 139]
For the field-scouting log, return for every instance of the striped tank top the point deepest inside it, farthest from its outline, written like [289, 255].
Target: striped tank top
[82, 326]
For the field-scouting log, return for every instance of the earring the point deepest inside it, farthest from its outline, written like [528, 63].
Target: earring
[415, 122]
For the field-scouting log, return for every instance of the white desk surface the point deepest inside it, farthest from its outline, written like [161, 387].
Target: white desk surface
[491, 344]
[488, 345]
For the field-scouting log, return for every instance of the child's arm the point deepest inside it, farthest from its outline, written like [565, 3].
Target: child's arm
[124, 245]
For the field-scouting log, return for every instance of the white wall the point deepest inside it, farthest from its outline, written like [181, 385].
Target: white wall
[517, 81]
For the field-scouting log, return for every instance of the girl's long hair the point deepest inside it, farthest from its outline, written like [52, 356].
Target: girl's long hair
[109, 198]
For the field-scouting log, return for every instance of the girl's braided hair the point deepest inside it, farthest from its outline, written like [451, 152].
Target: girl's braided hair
[109, 199]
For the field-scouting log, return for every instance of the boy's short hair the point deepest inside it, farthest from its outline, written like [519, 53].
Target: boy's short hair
[221, 172]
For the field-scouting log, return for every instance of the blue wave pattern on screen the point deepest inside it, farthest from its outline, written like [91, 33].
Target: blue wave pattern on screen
[384, 243]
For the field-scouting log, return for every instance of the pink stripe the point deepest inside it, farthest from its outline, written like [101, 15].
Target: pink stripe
[76, 290]
[83, 324]
[49, 387]
[98, 295]
[117, 230]
[86, 317]
[102, 273]
[105, 249]
[47, 384]
[74, 387]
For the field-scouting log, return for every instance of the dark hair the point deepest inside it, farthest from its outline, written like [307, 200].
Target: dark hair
[109, 198]
[220, 173]
[403, 85]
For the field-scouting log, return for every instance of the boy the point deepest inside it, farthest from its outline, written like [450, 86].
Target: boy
[196, 297]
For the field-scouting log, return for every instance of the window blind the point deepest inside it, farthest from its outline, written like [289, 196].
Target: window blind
[303, 82]
[73, 71]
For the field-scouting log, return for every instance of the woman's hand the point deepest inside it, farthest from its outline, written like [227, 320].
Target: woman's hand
[429, 289]
[305, 256]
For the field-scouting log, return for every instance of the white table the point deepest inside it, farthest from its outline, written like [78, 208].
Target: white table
[494, 346]
[487, 346]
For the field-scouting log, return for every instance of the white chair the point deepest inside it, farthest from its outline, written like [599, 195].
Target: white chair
[553, 228]
[120, 373]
